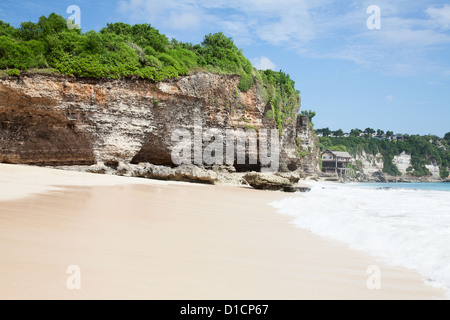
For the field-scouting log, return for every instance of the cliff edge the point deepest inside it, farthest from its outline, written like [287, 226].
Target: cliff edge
[50, 120]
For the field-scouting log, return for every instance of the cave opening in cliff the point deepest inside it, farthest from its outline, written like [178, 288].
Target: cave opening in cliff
[247, 167]
[292, 166]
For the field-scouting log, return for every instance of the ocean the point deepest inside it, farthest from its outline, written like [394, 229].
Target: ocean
[437, 186]
[402, 224]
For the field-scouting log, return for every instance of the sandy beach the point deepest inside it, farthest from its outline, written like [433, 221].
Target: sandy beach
[142, 239]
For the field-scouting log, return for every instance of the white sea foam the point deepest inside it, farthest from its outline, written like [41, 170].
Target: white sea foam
[408, 228]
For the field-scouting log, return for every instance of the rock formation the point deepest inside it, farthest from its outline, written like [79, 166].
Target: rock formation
[371, 169]
[269, 182]
[62, 121]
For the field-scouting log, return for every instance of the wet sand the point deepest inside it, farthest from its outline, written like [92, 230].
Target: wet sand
[143, 239]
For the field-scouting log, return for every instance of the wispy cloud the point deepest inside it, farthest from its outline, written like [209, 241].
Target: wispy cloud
[405, 45]
[263, 63]
[276, 22]
[440, 16]
[410, 34]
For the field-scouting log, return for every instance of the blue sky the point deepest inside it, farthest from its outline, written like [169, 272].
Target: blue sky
[394, 78]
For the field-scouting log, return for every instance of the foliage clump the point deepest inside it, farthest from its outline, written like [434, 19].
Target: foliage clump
[121, 50]
[118, 50]
[280, 93]
[14, 72]
[424, 150]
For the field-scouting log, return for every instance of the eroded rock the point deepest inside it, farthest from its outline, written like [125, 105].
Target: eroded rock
[267, 181]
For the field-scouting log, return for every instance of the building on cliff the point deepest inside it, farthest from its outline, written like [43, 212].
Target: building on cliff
[337, 161]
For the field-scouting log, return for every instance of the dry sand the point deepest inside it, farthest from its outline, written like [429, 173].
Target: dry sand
[143, 239]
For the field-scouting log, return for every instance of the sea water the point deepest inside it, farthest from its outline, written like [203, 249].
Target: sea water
[405, 225]
[437, 186]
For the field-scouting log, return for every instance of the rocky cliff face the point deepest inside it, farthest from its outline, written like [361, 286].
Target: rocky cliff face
[56, 121]
[371, 169]
[370, 164]
[403, 162]
[308, 149]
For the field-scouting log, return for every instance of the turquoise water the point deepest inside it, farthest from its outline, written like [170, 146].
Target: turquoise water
[436, 186]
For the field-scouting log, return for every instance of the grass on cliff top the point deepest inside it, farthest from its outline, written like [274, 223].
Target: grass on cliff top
[16, 72]
[118, 51]
[121, 51]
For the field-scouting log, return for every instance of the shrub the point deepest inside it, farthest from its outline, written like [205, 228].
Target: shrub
[390, 167]
[123, 50]
[444, 173]
[14, 72]
[246, 82]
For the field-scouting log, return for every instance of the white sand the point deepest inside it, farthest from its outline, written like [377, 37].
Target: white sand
[143, 239]
[19, 181]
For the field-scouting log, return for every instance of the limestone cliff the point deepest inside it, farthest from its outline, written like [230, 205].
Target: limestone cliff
[370, 169]
[56, 121]
[403, 162]
[370, 164]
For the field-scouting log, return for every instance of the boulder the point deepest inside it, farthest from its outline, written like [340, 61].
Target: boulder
[379, 176]
[293, 177]
[265, 181]
[185, 173]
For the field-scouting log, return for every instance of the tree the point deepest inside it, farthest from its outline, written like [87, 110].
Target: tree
[390, 167]
[20, 54]
[325, 143]
[447, 137]
[118, 28]
[146, 35]
[355, 132]
[369, 131]
[220, 51]
[338, 133]
[309, 113]
[29, 31]
[338, 148]
[444, 173]
[53, 24]
[218, 40]
[390, 133]
[7, 30]
[325, 132]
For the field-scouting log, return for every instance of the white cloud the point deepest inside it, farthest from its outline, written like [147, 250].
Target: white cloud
[399, 32]
[390, 98]
[406, 44]
[279, 22]
[263, 63]
[410, 32]
[440, 16]
[184, 20]
[169, 13]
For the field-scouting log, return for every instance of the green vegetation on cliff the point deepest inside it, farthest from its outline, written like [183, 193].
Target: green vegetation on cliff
[279, 91]
[424, 150]
[122, 51]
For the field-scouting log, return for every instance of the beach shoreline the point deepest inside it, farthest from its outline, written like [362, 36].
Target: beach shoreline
[134, 238]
